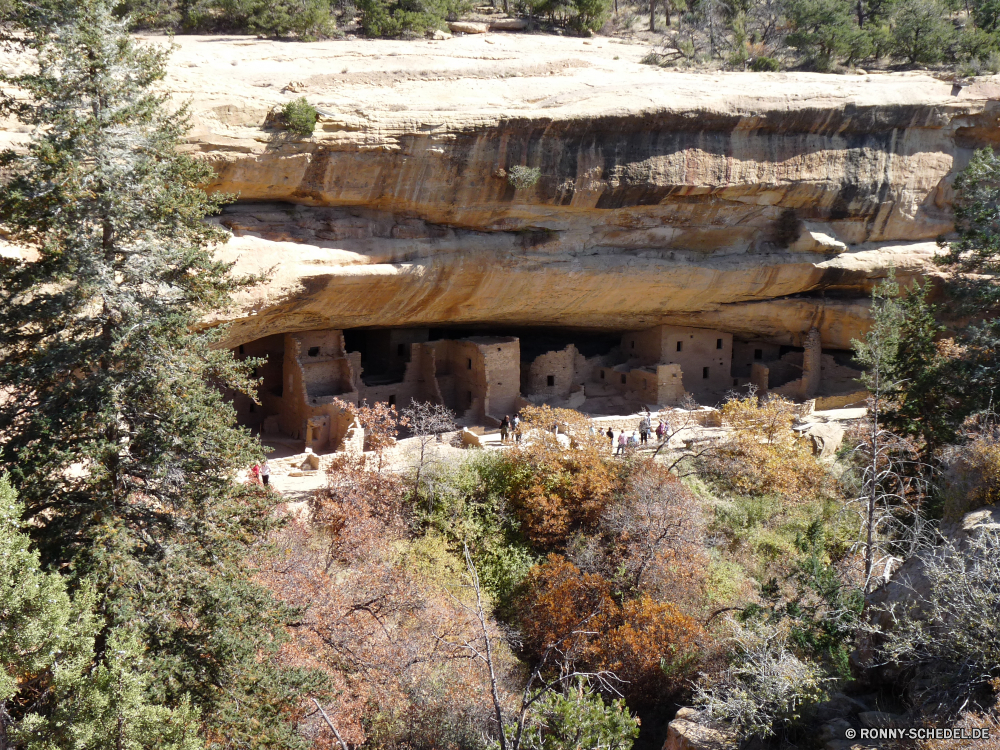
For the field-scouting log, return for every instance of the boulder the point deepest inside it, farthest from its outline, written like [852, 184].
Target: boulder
[439, 35]
[826, 438]
[817, 239]
[508, 24]
[468, 27]
[686, 733]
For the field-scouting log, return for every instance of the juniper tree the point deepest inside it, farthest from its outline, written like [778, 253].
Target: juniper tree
[113, 424]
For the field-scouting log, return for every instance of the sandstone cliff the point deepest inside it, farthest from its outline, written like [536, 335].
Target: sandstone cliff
[759, 204]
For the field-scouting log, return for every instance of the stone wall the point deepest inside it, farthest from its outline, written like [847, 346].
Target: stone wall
[502, 372]
[812, 373]
[552, 374]
[704, 355]
[746, 353]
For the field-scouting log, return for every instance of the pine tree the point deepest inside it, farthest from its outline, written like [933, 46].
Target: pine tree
[974, 255]
[115, 430]
[54, 693]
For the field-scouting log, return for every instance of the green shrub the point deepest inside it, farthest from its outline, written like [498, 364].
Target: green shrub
[590, 14]
[521, 177]
[393, 18]
[765, 65]
[921, 31]
[303, 18]
[300, 117]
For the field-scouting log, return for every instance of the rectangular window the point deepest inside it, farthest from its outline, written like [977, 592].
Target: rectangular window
[401, 350]
[718, 343]
[758, 354]
[704, 372]
[602, 374]
[633, 344]
[241, 348]
[469, 363]
[313, 351]
[550, 380]
[392, 400]
[623, 378]
[680, 345]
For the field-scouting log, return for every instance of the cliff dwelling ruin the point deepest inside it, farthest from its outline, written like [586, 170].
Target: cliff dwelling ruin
[307, 376]
[679, 240]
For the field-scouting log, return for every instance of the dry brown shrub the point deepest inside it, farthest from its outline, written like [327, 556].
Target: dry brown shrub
[381, 634]
[973, 475]
[385, 634]
[654, 536]
[361, 510]
[763, 455]
[969, 721]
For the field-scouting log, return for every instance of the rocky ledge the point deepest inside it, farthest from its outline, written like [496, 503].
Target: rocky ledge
[511, 179]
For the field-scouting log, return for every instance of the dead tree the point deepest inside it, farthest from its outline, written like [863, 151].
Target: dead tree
[427, 422]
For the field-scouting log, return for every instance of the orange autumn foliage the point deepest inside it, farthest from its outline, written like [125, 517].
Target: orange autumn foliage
[650, 646]
[559, 605]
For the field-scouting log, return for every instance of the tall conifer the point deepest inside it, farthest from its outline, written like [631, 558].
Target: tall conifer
[113, 426]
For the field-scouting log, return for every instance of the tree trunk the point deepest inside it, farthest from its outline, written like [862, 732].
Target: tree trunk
[652, 15]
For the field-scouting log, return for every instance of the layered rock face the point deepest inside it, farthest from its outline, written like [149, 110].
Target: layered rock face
[512, 180]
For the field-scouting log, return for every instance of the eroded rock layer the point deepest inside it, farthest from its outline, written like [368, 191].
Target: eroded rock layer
[535, 180]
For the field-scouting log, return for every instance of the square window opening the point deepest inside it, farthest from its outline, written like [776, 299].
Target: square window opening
[758, 354]
[313, 351]
[550, 380]
[401, 350]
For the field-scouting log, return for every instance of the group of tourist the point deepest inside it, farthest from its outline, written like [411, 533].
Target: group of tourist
[510, 427]
[629, 443]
